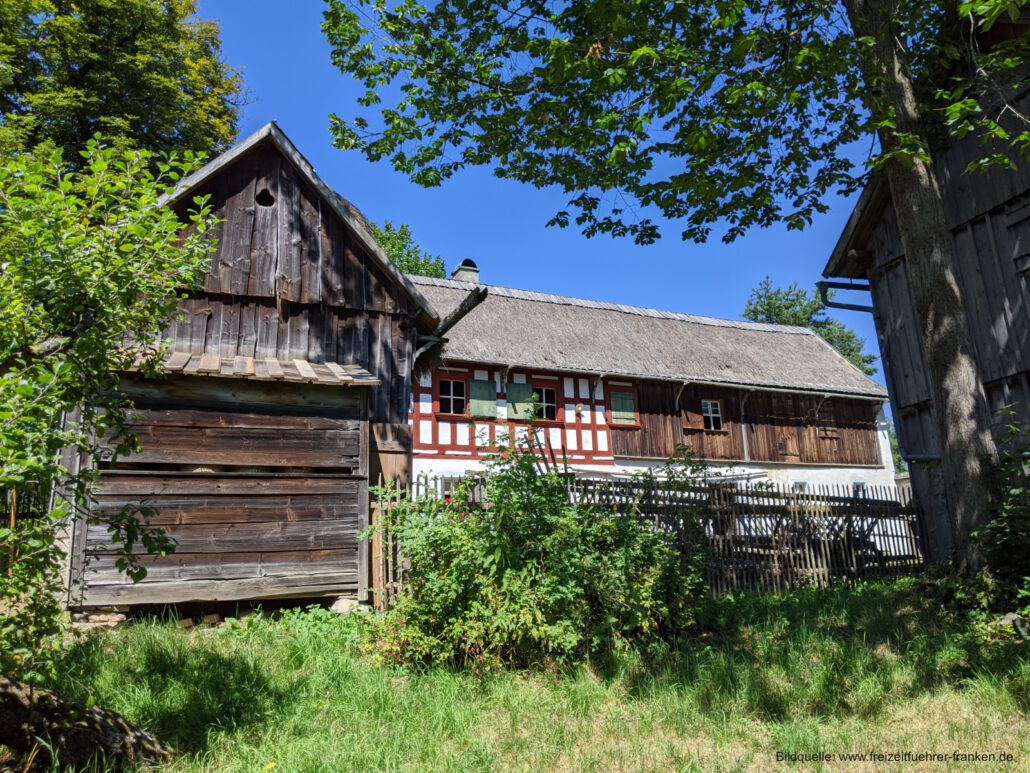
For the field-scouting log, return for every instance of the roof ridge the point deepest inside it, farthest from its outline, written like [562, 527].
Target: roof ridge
[642, 311]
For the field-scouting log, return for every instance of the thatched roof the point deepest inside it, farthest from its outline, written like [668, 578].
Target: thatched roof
[524, 329]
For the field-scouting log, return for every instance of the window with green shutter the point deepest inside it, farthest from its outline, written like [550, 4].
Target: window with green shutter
[484, 398]
[623, 407]
[519, 401]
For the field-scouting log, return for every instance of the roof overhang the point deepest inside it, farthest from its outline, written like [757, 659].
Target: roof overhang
[265, 369]
[849, 258]
[427, 317]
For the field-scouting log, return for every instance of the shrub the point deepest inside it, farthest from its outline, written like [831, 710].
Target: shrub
[1005, 539]
[526, 576]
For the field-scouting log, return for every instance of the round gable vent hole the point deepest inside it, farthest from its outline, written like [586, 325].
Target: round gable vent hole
[265, 199]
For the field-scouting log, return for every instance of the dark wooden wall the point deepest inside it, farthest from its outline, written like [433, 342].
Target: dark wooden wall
[262, 484]
[778, 427]
[289, 281]
[263, 492]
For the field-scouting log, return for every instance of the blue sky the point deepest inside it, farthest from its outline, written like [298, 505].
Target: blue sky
[284, 58]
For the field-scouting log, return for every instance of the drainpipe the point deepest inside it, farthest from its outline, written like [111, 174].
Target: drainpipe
[825, 285]
[468, 303]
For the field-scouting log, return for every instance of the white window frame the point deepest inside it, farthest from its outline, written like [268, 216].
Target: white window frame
[451, 397]
[711, 412]
[543, 403]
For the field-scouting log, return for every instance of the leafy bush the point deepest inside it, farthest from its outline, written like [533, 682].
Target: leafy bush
[1005, 539]
[91, 261]
[528, 577]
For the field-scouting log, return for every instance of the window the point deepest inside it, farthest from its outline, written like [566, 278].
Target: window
[711, 410]
[547, 403]
[623, 407]
[526, 401]
[799, 487]
[452, 396]
[858, 489]
[826, 420]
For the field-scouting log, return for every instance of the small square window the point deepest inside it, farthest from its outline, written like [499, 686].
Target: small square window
[547, 402]
[799, 487]
[711, 410]
[452, 396]
[859, 489]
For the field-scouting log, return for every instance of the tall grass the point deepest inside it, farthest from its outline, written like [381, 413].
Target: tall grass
[875, 667]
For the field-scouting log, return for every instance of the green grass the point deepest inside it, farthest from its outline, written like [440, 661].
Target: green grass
[878, 667]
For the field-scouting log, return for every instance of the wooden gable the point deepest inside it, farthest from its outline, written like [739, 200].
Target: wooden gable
[279, 238]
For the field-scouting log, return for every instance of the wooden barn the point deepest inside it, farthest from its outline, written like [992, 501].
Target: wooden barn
[287, 386]
[989, 218]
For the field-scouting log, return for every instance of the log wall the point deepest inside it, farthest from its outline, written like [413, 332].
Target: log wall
[261, 501]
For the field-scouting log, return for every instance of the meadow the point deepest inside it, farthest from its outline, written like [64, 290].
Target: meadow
[883, 668]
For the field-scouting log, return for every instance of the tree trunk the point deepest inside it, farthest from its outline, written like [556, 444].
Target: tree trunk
[78, 735]
[959, 404]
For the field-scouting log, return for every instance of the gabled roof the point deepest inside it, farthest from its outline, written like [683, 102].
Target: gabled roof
[347, 212]
[524, 329]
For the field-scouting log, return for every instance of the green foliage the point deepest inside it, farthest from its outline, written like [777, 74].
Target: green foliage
[794, 306]
[1005, 539]
[400, 246]
[92, 267]
[145, 73]
[699, 111]
[852, 667]
[900, 465]
[528, 577]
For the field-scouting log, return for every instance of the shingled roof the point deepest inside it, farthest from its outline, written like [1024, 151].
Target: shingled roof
[523, 329]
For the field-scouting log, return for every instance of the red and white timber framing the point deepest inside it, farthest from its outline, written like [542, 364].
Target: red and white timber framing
[580, 432]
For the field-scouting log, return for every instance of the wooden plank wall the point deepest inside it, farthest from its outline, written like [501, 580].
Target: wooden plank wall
[259, 504]
[990, 219]
[779, 427]
[289, 281]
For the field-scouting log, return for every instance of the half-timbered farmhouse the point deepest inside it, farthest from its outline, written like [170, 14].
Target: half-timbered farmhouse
[989, 217]
[617, 388]
[287, 384]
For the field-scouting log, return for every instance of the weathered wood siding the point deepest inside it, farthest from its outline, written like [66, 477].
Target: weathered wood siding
[778, 427]
[288, 280]
[262, 500]
[989, 215]
[263, 485]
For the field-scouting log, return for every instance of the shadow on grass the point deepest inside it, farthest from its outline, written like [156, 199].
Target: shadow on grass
[181, 692]
[838, 651]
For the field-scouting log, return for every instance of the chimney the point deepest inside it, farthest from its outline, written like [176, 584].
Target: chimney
[467, 271]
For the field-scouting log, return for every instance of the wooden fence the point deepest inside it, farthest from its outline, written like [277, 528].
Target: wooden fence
[763, 536]
[758, 535]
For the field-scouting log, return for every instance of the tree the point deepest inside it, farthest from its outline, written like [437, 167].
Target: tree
[145, 73]
[900, 465]
[92, 268]
[794, 306]
[400, 247]
[708, 112]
